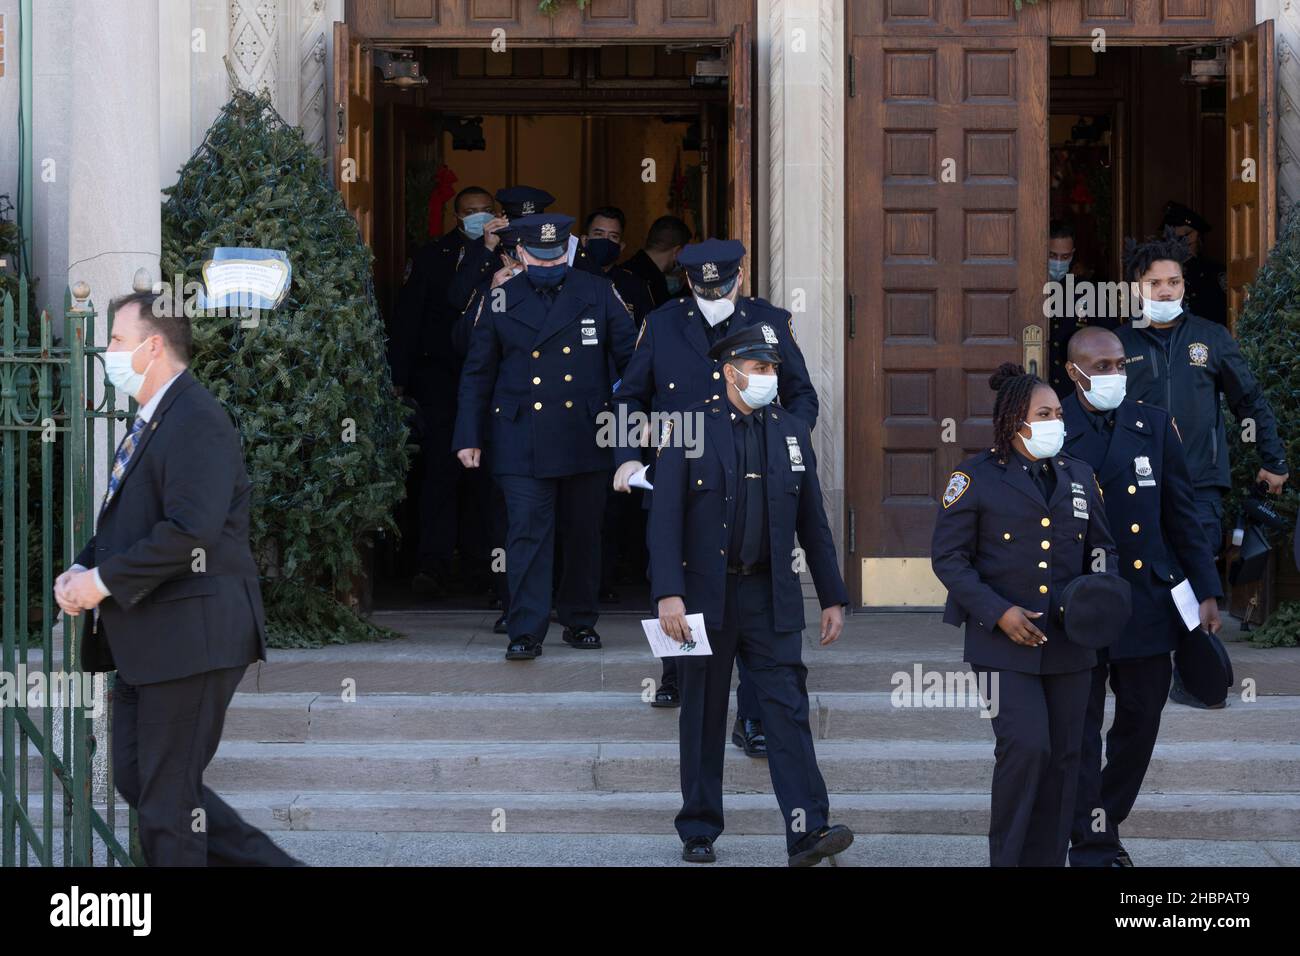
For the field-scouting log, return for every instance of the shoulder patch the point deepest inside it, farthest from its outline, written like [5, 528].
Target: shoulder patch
[640, 333]
[663, 438]
[957, 486]
[626, 307]
[1173, 421]
[789, 322]
[1097, 483]
[481, 300]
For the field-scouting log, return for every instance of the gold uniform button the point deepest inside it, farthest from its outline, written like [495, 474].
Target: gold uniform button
[1006, 536]
[1042, 589]
[717, 375]
[1046, 544]
[699, 481]
[568, 378]
[566, 351]
[537, 354]
[1047, 522]
[536, 380]
[537, 406]
[1138, 564]
[1042, 564]
[1135, 529]
[568, 404]
[1132, 490]
[672, 384]
[498, 408]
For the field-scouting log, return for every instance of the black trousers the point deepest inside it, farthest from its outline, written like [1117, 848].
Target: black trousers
[1039, 730]
[164, 735]
[535, 507]
[438, 513]
[774, 664]
[1141, 686]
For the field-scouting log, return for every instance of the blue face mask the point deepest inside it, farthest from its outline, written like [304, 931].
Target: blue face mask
[675, 282]
[472, 225]
[546, 277]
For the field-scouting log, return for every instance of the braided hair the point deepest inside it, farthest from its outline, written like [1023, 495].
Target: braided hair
[1015, 388]
[1168, 246]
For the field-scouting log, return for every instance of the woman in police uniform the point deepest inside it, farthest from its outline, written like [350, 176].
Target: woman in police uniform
[1018, 523]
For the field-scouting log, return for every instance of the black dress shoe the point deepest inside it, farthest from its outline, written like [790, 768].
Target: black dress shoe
[584, 637]
[698, 850]
[1122, 859]
[748, 736]
[820, 844]
[500, 626]
[667, 696]
[523, 649]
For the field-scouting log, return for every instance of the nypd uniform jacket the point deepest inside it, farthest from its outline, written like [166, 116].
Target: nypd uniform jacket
[694, 506]
[475, 266]
[671, 370]
[1148, 500]
[536, 378]
[1183, 373]
[998, 545]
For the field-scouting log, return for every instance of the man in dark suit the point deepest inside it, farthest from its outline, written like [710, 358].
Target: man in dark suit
[722, 533]
[172, 581]
[656, 262]
[1137, 454]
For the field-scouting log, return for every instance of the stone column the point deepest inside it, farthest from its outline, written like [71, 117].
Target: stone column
[1286, 17]
[799, 203]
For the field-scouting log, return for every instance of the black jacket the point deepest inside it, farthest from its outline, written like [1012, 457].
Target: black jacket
[998, 545]
[185, 488]
[420, 352]
[1184, 373]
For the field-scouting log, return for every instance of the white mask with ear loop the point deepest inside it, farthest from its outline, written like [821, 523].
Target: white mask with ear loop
[760, 390]
[120, 374]
[1046, 438]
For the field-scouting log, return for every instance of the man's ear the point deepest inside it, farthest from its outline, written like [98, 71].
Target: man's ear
[1072, 371]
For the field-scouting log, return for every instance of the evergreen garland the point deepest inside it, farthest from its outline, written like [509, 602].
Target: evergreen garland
[1268, 332]
[292, 382]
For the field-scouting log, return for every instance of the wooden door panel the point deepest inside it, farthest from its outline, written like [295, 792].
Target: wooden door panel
[947, 223]
[900, 18]
[1251, 218]
[1150, 18]
[354, 147]
[739, 157]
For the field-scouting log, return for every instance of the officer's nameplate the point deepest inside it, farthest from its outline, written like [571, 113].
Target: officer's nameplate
[796, 456]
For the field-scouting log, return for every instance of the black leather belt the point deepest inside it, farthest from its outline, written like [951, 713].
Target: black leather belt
[746, 569]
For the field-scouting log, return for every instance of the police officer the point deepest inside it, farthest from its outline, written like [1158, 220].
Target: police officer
[1204, 279]
[427, 368]
[1182, 362]
[600, 246]
[539, 367]
[672, 369]
[1065, 307]
[482, 257]
[1137, 455]
[1018, 523]
[656, 261]
[722, 533]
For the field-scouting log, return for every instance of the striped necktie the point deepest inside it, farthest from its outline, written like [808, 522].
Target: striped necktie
[120, 460]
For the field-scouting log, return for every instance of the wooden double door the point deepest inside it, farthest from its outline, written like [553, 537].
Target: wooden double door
[946, 201]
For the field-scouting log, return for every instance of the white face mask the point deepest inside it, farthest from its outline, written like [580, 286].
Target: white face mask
[1104, 392]
[117, 367]
[715, 310]
[1046, 438]
[760, 390]
[1162, 313]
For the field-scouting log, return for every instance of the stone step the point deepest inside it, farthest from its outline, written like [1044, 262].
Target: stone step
[1202, 816]
[608, 717]
[456, 652]
[361, 847]
[848, 766]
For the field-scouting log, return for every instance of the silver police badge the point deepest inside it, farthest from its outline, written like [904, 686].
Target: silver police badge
[796, 454]
[548, 232]
[1142, 465]
[710, 272]
[957, 486]
[769, 336]
[1199, 353]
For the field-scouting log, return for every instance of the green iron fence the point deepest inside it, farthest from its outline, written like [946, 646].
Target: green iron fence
[49, 730]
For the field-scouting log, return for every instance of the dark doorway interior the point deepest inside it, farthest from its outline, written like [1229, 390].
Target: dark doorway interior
[644, 128]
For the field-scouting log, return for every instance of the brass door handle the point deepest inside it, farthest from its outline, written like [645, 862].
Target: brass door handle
[1032, 342]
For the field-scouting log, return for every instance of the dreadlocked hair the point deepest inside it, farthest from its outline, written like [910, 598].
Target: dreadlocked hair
[1015, 388]
[1139, 256]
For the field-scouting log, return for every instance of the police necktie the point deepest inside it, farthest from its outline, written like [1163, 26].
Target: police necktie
[124, 452]
[751, 542]
[1044, 478]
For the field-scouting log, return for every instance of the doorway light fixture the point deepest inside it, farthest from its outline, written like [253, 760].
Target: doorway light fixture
[400, 68]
